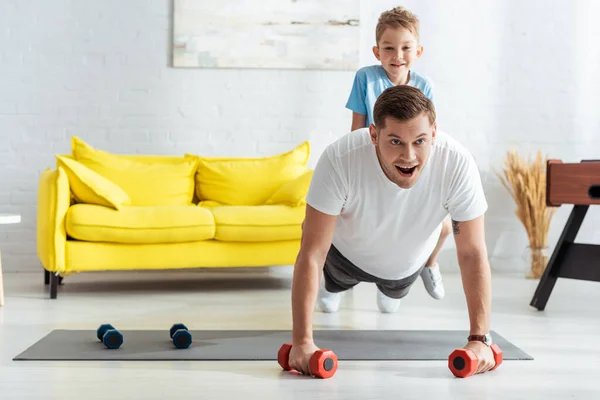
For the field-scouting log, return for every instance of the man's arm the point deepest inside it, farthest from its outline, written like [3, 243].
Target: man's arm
[469, 237]
[317, 234]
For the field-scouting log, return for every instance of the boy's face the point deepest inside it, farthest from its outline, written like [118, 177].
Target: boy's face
[397, 50]
[403, 148]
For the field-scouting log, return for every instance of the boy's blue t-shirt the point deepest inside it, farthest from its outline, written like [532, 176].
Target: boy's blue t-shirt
[371, 81]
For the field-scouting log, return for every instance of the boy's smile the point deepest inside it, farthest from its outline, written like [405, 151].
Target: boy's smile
[397, 49]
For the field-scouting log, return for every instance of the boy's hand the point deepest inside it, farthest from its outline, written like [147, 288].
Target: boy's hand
[484, 355]
[300, 356]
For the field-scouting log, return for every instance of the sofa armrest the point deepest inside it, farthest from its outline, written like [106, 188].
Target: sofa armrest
[54, 199]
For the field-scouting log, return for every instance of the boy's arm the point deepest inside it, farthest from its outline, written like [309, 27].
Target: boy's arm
[357, 101]
[358, 121]
[317, 234]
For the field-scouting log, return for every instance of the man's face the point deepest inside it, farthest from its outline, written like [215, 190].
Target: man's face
[403, 148]
[397, 50]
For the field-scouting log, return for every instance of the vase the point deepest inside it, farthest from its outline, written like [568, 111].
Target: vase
[537, 260]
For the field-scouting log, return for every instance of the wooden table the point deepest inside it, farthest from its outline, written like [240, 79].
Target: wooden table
[577, 184]
[6, 219]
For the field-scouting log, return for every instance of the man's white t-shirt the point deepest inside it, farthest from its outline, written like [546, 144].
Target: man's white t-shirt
[387, 231]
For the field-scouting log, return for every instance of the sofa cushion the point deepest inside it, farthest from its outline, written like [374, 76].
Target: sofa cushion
[248, 181]
[257, 223]
[149, 180]
[165, 224]
[90, 187]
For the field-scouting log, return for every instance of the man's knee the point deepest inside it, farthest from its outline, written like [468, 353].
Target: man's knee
[395, 293]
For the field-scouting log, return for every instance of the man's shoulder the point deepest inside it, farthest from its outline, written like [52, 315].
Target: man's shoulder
[450, 145]
[349, 144]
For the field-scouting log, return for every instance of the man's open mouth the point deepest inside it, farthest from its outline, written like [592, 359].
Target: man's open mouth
[406, 171]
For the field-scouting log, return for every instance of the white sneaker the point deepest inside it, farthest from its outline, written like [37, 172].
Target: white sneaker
[387, 304]
[328, 302]
[432, 279]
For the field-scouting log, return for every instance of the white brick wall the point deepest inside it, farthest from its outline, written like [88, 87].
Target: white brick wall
[514, 73]
[504, 70]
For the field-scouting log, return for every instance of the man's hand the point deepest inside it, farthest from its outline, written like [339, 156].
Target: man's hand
[484, 355]
[300, 356]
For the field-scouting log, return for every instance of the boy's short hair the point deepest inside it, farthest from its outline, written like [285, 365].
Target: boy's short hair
[397, 17]
[402, 103]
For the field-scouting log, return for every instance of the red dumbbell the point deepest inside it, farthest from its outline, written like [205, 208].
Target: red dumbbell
[322, 364]
[463, 363]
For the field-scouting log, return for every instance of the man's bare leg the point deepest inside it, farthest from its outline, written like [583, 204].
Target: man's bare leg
[446, 230]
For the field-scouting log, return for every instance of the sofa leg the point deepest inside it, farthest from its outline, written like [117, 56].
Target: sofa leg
[46, 277]
[54, 285]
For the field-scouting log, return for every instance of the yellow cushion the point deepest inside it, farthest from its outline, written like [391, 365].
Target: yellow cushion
[90, 256]
[209, 204]
[248, 181]
[258, 223]
[292, 193]
[90, 187]
[169, 224]
[149, 181]
[81, 148]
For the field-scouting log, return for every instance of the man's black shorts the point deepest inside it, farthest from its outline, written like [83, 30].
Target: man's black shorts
[340, 275]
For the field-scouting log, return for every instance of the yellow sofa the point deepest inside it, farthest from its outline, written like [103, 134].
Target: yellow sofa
[100, 211]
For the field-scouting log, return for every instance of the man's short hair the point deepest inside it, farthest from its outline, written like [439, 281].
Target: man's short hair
[397, 17]
[402, 103]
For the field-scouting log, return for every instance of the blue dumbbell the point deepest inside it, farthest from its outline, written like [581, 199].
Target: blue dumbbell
[107, 334]
[180, 335]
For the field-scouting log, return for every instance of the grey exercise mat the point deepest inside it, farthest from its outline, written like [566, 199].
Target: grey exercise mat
[69, 345]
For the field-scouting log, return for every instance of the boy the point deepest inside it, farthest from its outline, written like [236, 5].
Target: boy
[397, 48]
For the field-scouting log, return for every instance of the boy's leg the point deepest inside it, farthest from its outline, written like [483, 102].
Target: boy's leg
[431, 275]
[338, 277]
[390, 293]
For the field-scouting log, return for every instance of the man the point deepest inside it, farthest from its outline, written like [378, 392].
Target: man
[374, 211]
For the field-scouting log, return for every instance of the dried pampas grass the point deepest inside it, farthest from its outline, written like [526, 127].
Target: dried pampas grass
[525, 180]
